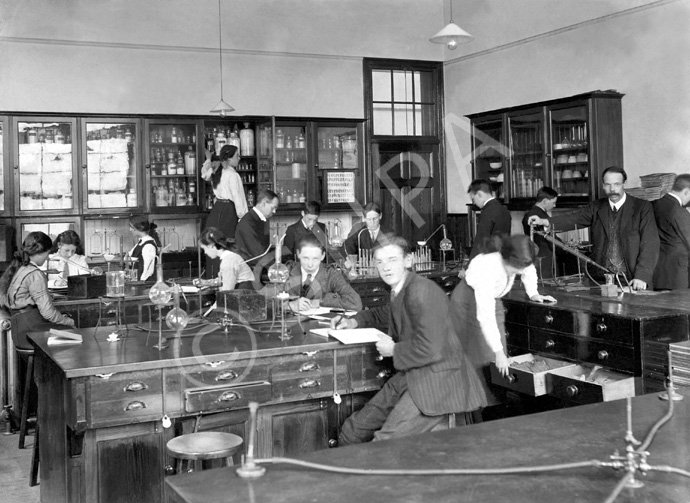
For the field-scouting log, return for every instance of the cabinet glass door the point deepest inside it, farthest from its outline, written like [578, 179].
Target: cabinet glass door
[111, 155]
[265, 155]
[45, 159]
[291, 163]
[489, 154]
[339, 155]
[4, 160]
[526, 133]
[570, 152]
[172, 158]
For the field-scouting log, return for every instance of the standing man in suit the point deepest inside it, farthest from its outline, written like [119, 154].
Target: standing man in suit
[673, 223]
[253, 233]
[494, 218]
[434, 376]
[623, 231]
[315, 283]
[308, 225]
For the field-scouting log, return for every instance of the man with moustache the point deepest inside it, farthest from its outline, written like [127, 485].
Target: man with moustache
[623, 231]
[673, 222]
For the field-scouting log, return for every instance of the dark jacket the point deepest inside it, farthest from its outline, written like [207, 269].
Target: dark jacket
[355, 240]
[638, 233]
[297, 231]
[439, 376]
[673, 224]
[493, 219]
[252, 236]
[329, 286]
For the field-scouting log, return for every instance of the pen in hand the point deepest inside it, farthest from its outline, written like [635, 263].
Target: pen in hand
[335, 321]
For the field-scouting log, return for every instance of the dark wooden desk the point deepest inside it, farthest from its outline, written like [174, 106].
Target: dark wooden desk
[567, 435]
[101, 404]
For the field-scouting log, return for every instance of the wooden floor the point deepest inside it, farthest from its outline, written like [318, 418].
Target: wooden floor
[14, 471]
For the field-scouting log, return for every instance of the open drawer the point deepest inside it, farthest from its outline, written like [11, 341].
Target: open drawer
[527, 373]
[586, 384]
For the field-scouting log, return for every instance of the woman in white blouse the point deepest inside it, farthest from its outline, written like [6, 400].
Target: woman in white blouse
[68, 254]
[476, 306]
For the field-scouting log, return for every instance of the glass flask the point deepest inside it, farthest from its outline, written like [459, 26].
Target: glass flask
[160, 293]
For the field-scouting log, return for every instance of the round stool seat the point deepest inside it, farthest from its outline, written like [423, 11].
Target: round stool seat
[204, 445]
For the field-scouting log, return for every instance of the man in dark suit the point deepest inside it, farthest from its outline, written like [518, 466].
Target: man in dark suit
[307, 225]
[434, 377]
[623, 231]
[673, 223]
[494, 218]
[365, 235]
[316, 284]
[253, 233]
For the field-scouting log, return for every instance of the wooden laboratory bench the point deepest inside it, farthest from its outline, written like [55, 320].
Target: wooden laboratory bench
[591, 432]
[101, 404]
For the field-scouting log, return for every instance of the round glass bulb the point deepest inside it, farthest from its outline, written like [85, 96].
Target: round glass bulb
[336, 241]
[96, 271]
[160, 293]
[452, 44]
[278, 273]
[446, 244]
[177, 319]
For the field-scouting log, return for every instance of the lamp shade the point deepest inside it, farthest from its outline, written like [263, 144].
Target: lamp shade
[451, 35]
[222, 109]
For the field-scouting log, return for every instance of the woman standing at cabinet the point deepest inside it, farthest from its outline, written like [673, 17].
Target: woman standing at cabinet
[476, 306]
[146, 248]
[231, 203]
[24, 291]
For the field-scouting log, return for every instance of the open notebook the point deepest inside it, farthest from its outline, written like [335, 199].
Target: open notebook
[58, 337]
[351, 335]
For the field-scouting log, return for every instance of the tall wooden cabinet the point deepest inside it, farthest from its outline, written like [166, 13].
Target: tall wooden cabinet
[565, 144]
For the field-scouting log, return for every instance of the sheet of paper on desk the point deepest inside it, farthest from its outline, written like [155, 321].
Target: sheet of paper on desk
[58, 337]
[190, 289]
[351, 335]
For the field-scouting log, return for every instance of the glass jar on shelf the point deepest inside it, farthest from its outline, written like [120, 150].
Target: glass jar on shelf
[247, 140]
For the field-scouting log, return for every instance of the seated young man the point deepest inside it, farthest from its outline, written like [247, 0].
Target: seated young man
[316, 284]
[434, 377]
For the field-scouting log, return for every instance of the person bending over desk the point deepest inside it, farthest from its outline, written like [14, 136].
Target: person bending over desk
[317, 284]
[434, 377]
[233, 272]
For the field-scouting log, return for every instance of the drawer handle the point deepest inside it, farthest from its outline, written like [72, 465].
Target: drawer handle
[227, 375]
[309, 367]
[549, 344]
[136, 386]
[229, 396]
[572, 390]
[135, 405]
[214, 364]
[601, 327]
[309, 353]
[310, 383]
[384, 374]
[377, 289]
[104, 376]
[548, 319]
[512, 378]
[603, 355]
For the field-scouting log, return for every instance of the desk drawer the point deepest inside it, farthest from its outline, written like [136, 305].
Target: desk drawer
[553, 344]
[569, 383]
[517, 336]
[525, 379]
[124, 398]
[609, 328]
[219, 372]
[609, 355]
[304, 376]
[226, 397]
[553, 319]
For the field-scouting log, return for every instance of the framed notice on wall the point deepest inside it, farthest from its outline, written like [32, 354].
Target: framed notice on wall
[340, 187]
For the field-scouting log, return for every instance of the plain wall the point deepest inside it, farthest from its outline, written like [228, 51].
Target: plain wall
[642, 54]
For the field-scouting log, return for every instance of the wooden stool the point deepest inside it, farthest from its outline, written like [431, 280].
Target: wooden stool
[196, 447]
[29, 353]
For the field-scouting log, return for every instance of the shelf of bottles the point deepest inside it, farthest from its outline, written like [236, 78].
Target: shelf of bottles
[265, 156]
[173, 160]
[242, 136]
[2, 165]
[570, 151]
[111, 165]
[489, 154]
[337, 148]
[291, 164]
[526, 134]
[45, 164]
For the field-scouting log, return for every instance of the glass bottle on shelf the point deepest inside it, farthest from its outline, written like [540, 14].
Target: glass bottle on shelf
[234, 140]
[190, 161]
[173, 136]
[172, 165]
[280, 139]
[300, 143]
[59, 137]
[161, 196]
[247, 140]
[288, 143]
[31, 136]
[96, 243]
[220, 141]
[180, 195]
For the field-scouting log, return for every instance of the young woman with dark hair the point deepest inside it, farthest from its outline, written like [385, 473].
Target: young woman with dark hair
[146, 248]
[476, 306]
[68, 254]
[233, 273]
[24, 291]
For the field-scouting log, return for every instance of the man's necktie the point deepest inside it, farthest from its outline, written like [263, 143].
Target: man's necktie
[306, 285]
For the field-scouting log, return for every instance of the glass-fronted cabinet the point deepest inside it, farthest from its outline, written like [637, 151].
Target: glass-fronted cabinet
[171, 161]
[291, 162]
[526, 153]
[45, 161]
[110, 153]
[488, 147]
[570, 151]
[4, 162]
[265, 155]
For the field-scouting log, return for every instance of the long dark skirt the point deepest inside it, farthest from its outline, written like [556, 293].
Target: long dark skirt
[223, 216]
[29, 320]
[463, 311]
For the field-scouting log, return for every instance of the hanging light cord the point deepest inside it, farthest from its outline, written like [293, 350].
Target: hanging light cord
[220, 50]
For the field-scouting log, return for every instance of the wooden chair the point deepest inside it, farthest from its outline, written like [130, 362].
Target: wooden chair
[28, 379]
[197, 447]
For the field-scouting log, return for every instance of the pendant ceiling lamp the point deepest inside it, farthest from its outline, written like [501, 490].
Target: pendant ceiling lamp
[451, 34]
[221, 108]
